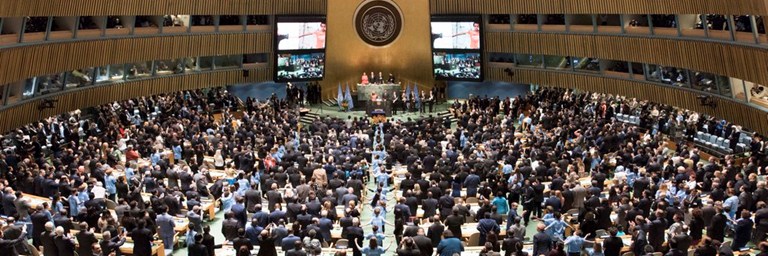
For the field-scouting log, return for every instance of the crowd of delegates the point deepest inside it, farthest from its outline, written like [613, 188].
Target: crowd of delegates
[532, 160]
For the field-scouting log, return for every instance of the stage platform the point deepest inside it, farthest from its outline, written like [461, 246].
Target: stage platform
[321, 110]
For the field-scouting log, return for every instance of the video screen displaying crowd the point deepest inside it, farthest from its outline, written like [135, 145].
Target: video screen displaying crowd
[554, 160]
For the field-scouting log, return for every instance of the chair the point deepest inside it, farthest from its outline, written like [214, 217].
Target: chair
[110, 204]
[699, 136]
[32, 250]
[712, 140]
[720, 141]
[342, 244]
[726, 244]
[474, 240]
[601, 233]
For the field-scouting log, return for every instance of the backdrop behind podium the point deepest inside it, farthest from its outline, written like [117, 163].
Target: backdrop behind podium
[364, 91]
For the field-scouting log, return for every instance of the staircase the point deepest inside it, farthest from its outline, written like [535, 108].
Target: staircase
[308, 118]
[448, 114]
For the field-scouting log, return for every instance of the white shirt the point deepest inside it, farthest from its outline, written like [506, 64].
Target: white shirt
[99, 192]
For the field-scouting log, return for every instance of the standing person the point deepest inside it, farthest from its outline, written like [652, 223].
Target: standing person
[198, 248]
[450, 245]
[64, 243]
[85, 239]
[742, 231]
[142, 239]
[574, 243]
[111, 244]
[542, 243]
[373, 248]
[431, 100]
[395, 103]
[9, 245]
[167, 227]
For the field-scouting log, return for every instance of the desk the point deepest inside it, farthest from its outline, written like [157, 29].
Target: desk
[157, 249]
[34, 200]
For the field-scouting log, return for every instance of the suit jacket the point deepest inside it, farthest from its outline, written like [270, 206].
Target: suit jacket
[65, 222]
[229, 228]
[65, 245]
[198, 250]
[542, 243]
[49, 246]
[85, 239]
[273, 197]
[110, 246]
[429, 206]
[252, 198]
[435, 233]
[240, 214]
[424, 244]
[142, 239]
[296, 252]
[166, 224]
[612, 245]
[579, 195]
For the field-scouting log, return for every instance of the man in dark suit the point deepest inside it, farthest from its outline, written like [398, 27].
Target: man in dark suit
[64, 243]
[542, 243]
[326, 225]
[613, 244]
[355, 235]
[471, 183]
[297, 250]
[208, 240]
[656, 230]
[289, 241]
[110, 244]
[274, 197]
[14, 230]
[61, 220]
[242, 240]
[230, 226]
[8, 245]
[435, 231]
[446, 204]
[454, 222]
[252, 198]
[142, 239]
[46, 240]
[199, 249]
[85, 238]
[277, 214]
[486, 225]
[239, 210]
[39, 218]
[423, 243]
[429, 205]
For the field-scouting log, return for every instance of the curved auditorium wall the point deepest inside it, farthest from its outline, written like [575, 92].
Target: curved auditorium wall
[597, 6]
[21, 114]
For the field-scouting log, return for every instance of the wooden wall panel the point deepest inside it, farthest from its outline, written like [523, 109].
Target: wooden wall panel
[27, 112]
[736, 112]
[51, 58]
[743, 62]
[20, 8]
[735, 7]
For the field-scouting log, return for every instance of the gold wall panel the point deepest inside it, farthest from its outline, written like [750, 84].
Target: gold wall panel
[735, 7]
[409, 57]
[21, 8]
[26, 112]
[743, 62]
[35, 60]
[738, 113]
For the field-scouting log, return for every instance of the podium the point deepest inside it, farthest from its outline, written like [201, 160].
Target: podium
[377, 107]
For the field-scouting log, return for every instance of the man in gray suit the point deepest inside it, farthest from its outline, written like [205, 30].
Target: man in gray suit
[195, 217]
[579, 194]
[167, 227]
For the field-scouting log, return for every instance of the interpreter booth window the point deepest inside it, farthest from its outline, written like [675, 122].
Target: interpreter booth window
[103, 75]
[499, 21]
[616, 68]
[527, 22]
[257, 23]
[30, 88]
[528, 60]
[717, 27]
[90, 26]
[760, 24]
[609, 23]
[557, 62]
[747, 28]
[228, 61]
[147, 25]
[203, 23]
[199, 64]
[35, 28]
[636, 24]
[664, 24]
[706, 82]
[691, 25]
[118, 25]
[581, 23]
[175, 24]
[499, 57]
[586, 64]
[168, 67]
[667, 75]
[62, 28]
[255, 60]
[116, 73]
[9, 33]
[79, 78]
[50, 83]
[553, 22]
[231, 23]
[139, 70]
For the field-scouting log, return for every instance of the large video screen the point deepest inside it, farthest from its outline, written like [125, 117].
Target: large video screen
[456, 35]
[457, 66]
[297, 67]
[295, 35]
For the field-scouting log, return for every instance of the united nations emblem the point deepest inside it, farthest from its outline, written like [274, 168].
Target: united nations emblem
[378, 22]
